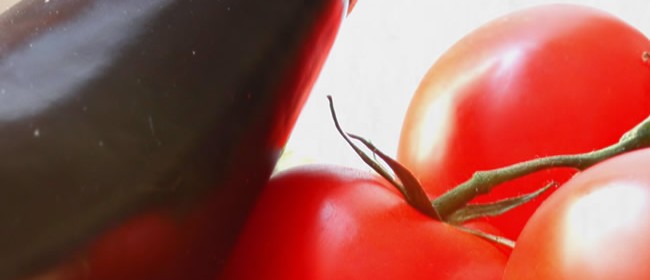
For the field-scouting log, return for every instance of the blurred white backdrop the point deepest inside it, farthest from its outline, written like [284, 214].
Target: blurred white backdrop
[383, 50]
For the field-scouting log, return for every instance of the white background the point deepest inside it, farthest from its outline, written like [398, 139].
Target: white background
[383, 50]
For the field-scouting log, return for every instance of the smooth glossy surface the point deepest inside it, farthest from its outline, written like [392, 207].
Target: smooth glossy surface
[594, 227]
[110, 107]
[548, 80]
[329, 222]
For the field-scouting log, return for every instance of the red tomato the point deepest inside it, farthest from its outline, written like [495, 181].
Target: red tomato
[547, 80]
[326, 222]
[594, 227]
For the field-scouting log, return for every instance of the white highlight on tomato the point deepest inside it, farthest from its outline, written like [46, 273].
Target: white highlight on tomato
[437, 123]
[598, 224]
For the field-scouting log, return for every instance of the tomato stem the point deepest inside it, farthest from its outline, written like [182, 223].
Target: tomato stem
[483, 182]
[490, 237]
[454, 206]
[480, 210]
[412, 189]
[402, 179]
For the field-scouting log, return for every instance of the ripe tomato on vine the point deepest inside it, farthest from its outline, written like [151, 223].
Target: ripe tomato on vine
[548, 80]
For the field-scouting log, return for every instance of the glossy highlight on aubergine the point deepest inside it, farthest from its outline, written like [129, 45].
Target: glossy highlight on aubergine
[111, 108]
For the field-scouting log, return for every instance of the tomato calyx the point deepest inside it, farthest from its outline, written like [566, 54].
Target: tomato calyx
[454, 207]
[645, 57]
[483, 182]
[402, 179]
[479, 210]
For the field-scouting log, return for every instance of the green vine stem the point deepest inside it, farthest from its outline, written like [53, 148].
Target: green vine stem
[483, 182]
[454, 206]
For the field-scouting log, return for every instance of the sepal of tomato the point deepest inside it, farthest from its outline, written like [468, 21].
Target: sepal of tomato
[329, 222]
[594, 227]
[548, 80]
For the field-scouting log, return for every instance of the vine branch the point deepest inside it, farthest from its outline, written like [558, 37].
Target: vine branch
[483, 182]
[454, 206]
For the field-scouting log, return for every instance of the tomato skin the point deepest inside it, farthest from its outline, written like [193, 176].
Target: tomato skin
[538, 82]
[327, 222]
[594, 227]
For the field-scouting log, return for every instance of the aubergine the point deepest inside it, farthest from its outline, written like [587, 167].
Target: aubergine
[111, 107]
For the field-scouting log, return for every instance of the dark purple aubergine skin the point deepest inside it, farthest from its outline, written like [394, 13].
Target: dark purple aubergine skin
[108, 107]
